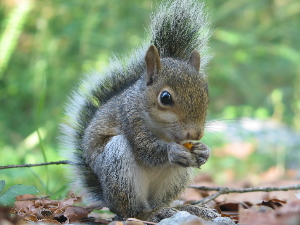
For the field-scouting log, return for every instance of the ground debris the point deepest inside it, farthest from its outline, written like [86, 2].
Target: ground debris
[50, 211]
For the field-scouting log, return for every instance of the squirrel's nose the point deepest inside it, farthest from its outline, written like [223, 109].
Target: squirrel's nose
[194, 135]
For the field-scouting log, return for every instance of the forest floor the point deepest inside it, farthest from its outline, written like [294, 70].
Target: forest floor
[276, 208]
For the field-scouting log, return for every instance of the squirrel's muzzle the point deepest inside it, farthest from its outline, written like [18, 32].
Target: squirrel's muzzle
[193, 134]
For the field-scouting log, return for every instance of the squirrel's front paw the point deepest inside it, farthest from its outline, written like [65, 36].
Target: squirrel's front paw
[194, 157]
[180, 155]
[201, 153]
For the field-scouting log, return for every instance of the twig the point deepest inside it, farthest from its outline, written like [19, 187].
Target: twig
[37, 164]
[225, 190]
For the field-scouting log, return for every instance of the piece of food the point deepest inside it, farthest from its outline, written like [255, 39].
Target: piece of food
[188, 145]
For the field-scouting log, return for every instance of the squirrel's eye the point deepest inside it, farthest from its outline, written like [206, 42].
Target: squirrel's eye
[166, 98]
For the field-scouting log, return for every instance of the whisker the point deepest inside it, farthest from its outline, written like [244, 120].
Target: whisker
[227, 137]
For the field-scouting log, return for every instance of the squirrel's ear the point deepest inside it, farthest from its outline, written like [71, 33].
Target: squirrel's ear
[152, 64]
[195, 60]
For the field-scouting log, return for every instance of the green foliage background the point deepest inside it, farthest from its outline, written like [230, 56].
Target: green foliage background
[46, 46]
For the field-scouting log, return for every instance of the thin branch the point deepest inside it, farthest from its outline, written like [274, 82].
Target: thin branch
[207, 199]
[225, 190]
[37, 164]
[205, 188]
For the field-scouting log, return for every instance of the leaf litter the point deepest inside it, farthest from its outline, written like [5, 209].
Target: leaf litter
[267, 211]
[50, 211]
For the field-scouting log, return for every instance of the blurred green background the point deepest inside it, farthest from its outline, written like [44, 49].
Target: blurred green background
[47, 46]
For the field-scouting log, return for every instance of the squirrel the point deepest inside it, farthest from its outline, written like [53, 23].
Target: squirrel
[125, 130]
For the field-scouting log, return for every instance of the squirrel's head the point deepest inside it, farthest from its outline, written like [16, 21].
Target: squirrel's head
[176, 98]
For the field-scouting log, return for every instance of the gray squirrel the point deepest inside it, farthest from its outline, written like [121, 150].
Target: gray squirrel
[125, 130]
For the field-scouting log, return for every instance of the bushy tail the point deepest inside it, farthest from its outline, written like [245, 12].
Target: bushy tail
[177, 28]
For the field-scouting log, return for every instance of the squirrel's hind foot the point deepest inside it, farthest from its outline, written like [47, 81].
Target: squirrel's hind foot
[201, 211]
[162, 213]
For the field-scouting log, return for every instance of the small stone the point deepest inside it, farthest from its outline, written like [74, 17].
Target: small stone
[223, 221]
[183, 218]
